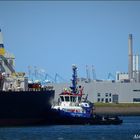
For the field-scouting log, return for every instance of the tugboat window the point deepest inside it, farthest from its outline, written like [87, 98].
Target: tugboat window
[79, 99]
[62, 98]
[74, 99]
[71, 99]
[67, 99]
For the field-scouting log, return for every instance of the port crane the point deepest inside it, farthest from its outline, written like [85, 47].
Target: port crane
[111, 76]
[49, 78]
[60, 77]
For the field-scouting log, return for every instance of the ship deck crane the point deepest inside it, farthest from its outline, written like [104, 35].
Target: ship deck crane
[11, 69]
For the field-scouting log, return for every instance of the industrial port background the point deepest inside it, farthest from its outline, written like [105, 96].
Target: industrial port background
[54, 35]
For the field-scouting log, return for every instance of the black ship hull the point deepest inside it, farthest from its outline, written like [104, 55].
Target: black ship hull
[25, 107]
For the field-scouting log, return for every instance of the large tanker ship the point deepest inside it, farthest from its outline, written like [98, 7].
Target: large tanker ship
[21, 103]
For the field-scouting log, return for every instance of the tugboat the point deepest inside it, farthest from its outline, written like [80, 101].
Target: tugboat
[72, 108]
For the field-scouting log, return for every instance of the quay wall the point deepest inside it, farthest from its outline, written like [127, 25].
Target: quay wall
[122, 111]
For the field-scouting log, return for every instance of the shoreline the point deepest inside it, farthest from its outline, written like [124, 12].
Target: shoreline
[120, 111]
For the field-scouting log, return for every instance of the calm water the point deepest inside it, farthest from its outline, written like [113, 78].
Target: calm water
[126, 131]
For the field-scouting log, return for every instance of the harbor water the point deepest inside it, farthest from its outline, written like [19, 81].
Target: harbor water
[129, 130]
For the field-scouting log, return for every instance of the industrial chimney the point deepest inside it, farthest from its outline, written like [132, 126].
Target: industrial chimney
[130, 57]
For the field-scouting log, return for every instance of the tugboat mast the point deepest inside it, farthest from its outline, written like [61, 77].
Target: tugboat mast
[74, 79]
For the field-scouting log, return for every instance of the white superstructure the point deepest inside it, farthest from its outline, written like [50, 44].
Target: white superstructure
[9, 79]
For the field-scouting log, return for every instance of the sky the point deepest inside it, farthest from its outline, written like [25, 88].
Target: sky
[53, 35]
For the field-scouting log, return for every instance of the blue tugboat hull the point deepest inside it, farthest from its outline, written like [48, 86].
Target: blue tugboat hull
[60, 118]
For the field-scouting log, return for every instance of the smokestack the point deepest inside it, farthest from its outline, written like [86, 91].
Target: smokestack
[93, 73]
[88, 73]
[134, 67]
[137, 68]
[134, 63]
[130, 57]
[137, 63]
